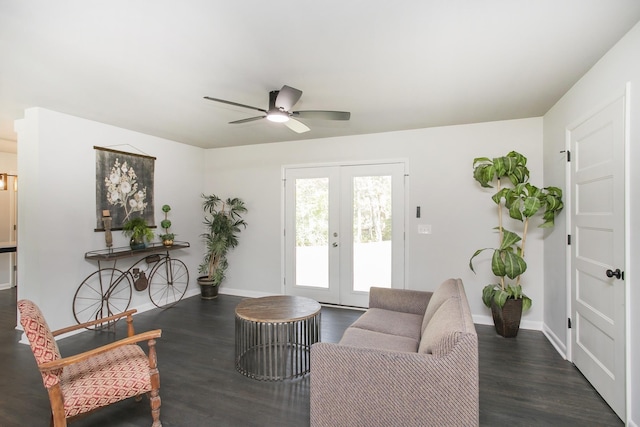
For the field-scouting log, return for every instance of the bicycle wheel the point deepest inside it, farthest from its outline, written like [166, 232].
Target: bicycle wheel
[168, 282]
[103, 293]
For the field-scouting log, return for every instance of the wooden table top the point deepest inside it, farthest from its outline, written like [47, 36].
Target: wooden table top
[279, 308]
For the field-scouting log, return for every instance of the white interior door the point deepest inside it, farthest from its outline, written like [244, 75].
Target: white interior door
[597, 254]
[344, 231]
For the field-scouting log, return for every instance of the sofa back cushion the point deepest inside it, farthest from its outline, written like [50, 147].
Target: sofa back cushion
[444, 329]
[449, 288]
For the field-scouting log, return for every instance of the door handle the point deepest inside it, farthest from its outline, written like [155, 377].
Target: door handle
[617, 273]
[335, 245]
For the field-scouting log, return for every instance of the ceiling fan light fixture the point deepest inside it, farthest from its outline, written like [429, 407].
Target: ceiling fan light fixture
[278, 116]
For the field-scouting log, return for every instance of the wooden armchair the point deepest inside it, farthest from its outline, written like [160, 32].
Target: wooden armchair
[87, 381]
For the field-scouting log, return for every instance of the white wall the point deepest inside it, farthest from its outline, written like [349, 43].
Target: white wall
[56, 207]
[441, 182]
[604, 81]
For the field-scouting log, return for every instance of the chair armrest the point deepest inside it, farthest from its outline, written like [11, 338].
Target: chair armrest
[70, 360]
[128, 314]
[403, 300]
[363, 386]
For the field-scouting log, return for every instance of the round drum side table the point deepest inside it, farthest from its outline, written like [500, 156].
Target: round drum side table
[274, 336]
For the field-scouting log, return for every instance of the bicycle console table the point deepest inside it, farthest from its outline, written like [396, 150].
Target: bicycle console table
[108, 290]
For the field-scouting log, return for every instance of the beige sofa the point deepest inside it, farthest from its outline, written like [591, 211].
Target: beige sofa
[410, 360]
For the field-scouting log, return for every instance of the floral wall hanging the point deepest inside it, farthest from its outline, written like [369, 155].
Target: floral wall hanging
[124, 187]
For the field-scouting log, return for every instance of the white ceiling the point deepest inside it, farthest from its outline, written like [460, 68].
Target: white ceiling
[145, 65]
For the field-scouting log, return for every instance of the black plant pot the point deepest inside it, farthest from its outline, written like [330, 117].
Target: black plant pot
[136, 245]
[507, 318]
[207, 289]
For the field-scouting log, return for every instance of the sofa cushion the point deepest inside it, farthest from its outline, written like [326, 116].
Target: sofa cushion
[357, 337]
[449, 288]
[390, 322]
[444, 330]
[404, 300]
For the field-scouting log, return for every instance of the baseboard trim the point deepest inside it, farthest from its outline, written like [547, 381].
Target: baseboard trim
[555, 341]
[481, 319]
[244, 293]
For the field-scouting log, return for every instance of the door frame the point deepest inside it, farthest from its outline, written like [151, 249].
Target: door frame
[404, 196]
[627, 245]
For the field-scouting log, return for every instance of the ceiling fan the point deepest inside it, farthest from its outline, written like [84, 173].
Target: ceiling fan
[280, 104]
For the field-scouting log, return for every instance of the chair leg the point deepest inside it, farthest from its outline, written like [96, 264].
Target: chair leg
[58, 418]
[154, 398]
[154, 394]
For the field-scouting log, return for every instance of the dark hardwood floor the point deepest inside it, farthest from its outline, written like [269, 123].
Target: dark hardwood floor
[523, 381]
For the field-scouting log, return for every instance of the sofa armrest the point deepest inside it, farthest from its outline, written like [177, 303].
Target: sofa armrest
[403, 300]
[353, 386]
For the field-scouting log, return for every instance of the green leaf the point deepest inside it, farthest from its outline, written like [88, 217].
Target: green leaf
[521, 160]
[531, 206]
[514, 265]
[519, 175]
[553, 203]
[484, 174]
[509, 238]
[514, 211]
[554, 192]
[526, 303]
[497, 198]
[487, 294]
[497, 264]
[475, 254]
[533, 191]
[501, 166]
[515, 291]
[500, 297]
[480, 160]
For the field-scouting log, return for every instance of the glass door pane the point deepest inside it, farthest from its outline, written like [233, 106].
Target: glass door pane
[372, 231]
[312, 232]
[311, 263]
[372, 224]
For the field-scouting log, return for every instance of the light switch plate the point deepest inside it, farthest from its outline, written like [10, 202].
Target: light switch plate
[424, 228]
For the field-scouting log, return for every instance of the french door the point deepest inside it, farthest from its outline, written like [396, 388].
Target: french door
[344, 231]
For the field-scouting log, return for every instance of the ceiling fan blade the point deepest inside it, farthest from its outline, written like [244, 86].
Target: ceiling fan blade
[325, 115]
[250, 119]
[234, 103]
[287, 97]
[296, 126]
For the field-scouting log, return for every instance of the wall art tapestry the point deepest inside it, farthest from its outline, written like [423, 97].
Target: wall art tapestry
[124, 187]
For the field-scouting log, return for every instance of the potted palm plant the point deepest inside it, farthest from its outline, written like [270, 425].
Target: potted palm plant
[223, 222]
[521, 200]
[138, 231]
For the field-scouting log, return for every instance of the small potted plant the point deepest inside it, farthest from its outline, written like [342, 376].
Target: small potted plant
[223, 222]
[138, 231]
[167, 238]
[521, 201]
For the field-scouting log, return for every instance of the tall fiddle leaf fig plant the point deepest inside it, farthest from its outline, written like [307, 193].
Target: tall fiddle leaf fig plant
[521, 200]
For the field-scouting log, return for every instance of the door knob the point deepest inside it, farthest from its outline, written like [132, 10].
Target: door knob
[335, 245]
[617, 273]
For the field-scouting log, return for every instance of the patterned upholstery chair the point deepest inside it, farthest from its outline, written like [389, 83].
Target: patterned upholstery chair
[84, 382]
